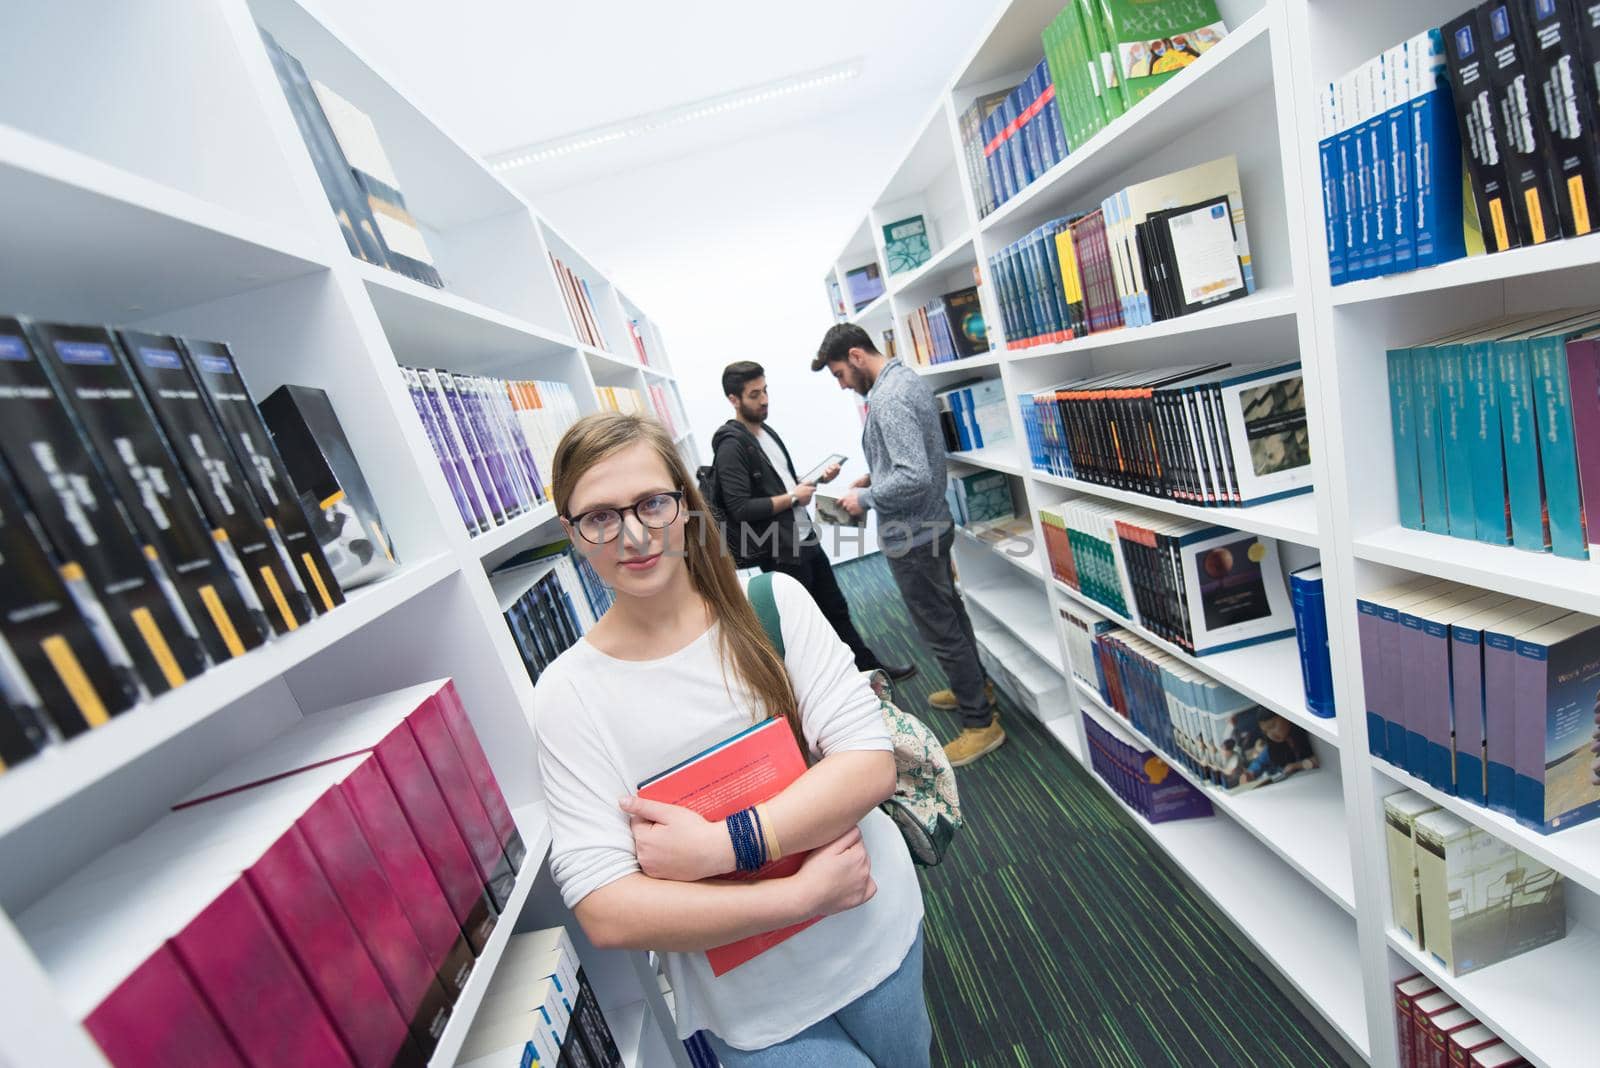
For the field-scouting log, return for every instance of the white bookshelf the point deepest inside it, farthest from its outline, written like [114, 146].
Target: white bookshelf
[178, 196]
[1315, 846]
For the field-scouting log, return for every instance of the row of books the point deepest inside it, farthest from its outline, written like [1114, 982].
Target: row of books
[980, 499]
[1204, 588]
[667, 411]
[1153, 251]
[1222, 737]
[1435, 1032]
[1205, 434]
[1523, 77]
[149, 526]
[1390, 160]
[321, 901]
[479, 429]
[973, 414]
[1485, 696]
[355, 173]
[1461, 894]
[1496, 432]
[539, 1009]
[619, 399]
[580, 304]
[947, 328]
[561, 599]
[1022, 136]
[1141, 779]
[1310, 602]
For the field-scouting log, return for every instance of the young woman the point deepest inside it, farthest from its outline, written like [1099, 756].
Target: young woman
[677, 664]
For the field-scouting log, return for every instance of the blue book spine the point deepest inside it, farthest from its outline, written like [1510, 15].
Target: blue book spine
[1401, 209]
[1520, 439]
[1322, 703]
[1454, 439]
[1491, 505]
[1333, 223]
[1305, 631]
[1430, 449]
[1403, 421]
[1414, 694]
[1528, 767]
[1345, 143]
[1436, 177]
[1433, 739]
[1558, 456]
[1466, 712]
[1379, 144]
[1392, 685]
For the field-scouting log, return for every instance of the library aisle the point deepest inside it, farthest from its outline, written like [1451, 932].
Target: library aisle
[1057, 933]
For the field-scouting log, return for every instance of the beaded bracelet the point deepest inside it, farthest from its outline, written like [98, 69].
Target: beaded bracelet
[748, 849]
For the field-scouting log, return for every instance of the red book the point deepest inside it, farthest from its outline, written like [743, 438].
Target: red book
[1440, 1028]
[460, 795]
[753, 766]
[157, 1019]
[1466, 1042]
[1423, 1010]
[1406, 993]
[477, 762]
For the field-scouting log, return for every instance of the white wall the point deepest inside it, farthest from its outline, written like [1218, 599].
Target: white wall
[726, 251]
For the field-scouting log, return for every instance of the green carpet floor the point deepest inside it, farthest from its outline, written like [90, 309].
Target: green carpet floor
[1057, 933]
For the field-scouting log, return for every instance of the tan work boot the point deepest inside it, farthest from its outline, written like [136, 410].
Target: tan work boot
[974, 742]
[946, 699]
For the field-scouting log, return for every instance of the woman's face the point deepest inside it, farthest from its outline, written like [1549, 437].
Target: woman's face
[642, 560]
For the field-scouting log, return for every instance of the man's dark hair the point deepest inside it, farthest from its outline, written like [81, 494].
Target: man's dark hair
[736, 376]
[837, 343]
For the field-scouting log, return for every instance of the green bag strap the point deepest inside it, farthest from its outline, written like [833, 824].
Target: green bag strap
[766, 606]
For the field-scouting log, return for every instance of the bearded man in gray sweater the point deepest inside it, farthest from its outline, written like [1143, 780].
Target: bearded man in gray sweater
[905, 485]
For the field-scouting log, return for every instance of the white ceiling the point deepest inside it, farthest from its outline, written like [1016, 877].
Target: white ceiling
[500, 74]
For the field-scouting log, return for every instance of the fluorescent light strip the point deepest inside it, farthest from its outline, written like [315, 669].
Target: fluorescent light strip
[669, 117]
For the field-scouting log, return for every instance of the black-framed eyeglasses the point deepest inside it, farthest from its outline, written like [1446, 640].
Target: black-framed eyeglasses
[600, 525]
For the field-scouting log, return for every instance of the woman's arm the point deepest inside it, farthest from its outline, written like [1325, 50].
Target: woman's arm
[638, 912]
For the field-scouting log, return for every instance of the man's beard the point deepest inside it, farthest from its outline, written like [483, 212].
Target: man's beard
[756, 415]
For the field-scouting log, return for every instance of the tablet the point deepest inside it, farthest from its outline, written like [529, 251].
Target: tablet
[815, 473]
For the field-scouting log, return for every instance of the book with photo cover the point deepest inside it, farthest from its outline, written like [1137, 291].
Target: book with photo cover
[112, 581]
[1235, 591]
[865, 284]
[1258, 747]
[93, 379]
[1152, 41]
[964, 311]
[906, 244]
[829, 510]
[752, 766]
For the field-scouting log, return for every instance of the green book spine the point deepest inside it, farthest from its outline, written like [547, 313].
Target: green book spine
[1529, 528]
[1454, 432]
[1430, 452]
[1558, 456]
[1100, 52]
[1403, 417]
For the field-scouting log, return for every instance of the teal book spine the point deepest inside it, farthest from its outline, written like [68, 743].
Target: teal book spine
[1403, 418]
[1454, 439]
[1489, 500]
[1558, 456]
[1521, 442]
[1430, 449]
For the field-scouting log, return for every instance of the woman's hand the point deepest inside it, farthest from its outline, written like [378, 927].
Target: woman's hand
[837, 877]
[676, 843]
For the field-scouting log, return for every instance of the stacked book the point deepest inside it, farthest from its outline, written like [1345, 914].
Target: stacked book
[1485, 696]
[619, 399]
[1201, 587]
[1497, 432]
[1107, 57]
[539, 1009]
[480, 437]
[973, 415]
[1223, 738]
[1153, 251]
[580, 304]
[1465, 898]
[1433, 1029]
[322, 901]
[355, 173]
[1205, 434]
[1390, 163]
[148, 525]
[550, 596]
[950, 327]
[1142, 779]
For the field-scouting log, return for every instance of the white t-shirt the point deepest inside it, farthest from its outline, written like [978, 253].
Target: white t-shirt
[780, 464]
[605, 725]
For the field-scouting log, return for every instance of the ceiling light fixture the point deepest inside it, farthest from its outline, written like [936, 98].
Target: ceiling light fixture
[667, 118]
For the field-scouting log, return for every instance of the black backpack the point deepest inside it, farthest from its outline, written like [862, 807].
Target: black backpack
[706, 479]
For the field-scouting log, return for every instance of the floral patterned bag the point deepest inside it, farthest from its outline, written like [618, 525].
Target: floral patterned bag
[925, 805]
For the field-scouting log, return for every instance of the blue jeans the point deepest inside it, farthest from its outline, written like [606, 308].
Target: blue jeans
[887, 1027]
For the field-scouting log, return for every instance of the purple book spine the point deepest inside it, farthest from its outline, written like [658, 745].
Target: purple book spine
[498, 506]
[1391, 694]
[1532, 675]
[1466, 677]
[1499, 708]
[469, 514]
[1367, 624]
[460, 450]
[1583, 372]
[499, 407]
[493, 454]
[1414, 690]
[1438, 753]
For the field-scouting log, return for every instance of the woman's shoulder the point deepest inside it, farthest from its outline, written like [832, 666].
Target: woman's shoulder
[555, 692]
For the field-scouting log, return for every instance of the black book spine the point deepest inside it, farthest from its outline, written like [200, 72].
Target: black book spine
[1204, 480]
[1521, 130]
[1223, 447]
[21, 738]
[1566, 104]
[595, 1030]
[1467, 55]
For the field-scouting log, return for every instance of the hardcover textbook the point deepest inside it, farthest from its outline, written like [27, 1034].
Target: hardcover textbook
[906, 244]
[753, 766]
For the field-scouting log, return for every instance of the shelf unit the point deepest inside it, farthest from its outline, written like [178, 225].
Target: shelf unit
[127, 197]
[1315, 845]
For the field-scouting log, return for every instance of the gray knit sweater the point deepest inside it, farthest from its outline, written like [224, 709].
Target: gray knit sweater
[905, 454]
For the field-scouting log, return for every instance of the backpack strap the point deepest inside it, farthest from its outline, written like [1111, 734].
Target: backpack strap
[766, 606]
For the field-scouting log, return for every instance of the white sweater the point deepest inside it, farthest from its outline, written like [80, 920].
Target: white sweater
[605, 725]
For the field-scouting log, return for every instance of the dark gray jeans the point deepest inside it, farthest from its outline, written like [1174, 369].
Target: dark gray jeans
[927, 585]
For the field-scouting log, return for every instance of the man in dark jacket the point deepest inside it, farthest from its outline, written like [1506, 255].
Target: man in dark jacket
[765, 505]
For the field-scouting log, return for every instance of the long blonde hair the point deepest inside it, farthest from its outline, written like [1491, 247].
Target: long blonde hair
[742, 641]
